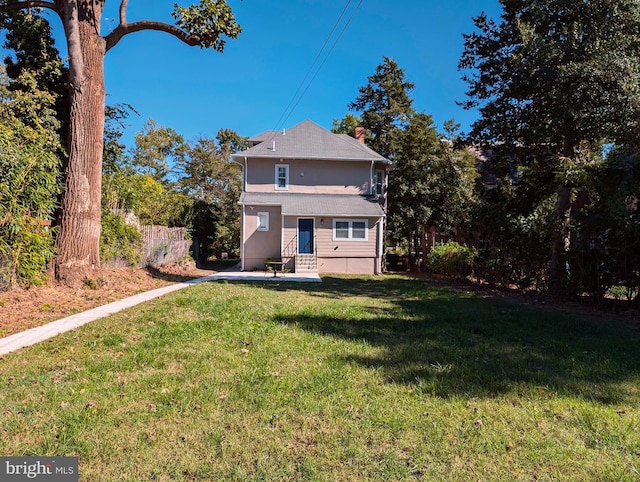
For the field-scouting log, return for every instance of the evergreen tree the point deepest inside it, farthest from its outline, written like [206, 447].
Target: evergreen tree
[215, 181]
[431, 185]
[29, 37]
[347, 125]
[385, 106]
[553, 81]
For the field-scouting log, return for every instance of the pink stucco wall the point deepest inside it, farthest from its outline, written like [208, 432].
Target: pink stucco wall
[259, 245]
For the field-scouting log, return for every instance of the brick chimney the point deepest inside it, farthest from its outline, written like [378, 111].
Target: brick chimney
[359, 133]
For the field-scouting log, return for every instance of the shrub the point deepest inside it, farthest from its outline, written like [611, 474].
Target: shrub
[27, 260]
[119, 240]
[451, 259]
[29, 186]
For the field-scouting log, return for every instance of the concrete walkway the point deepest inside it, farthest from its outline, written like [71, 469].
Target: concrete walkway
[44, 332]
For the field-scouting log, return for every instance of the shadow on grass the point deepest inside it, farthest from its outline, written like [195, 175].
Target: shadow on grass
[446, 343]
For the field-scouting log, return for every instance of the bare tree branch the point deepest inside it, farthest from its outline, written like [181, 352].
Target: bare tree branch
[123, 12]
[125, 29]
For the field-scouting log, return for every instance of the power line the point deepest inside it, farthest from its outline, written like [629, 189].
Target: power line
[294, 102]
[335, 25]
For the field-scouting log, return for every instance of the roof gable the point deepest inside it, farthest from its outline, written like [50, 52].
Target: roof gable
[308, 140]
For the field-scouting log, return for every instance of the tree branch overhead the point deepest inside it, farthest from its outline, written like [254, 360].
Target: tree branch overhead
[205, 23]
[127, 28]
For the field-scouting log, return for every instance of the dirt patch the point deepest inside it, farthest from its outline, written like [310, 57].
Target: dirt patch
[24, 308]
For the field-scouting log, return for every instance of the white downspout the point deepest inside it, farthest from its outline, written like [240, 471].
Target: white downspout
[281, 233]
[380, 245]
[246, 175]
[371, 180]
[242, 237]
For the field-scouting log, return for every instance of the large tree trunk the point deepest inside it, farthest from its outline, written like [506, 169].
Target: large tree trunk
[78, 241]
[561, 242]
[562, 238]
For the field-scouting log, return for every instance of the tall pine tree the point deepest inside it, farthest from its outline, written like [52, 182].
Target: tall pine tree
[384, 105]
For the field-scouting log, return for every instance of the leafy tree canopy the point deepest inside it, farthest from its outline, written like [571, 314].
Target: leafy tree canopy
[157, 150]
[554, 75]
[29, 183]
[347, 125]
[204, 24]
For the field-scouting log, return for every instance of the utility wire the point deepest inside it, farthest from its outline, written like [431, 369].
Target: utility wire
[326, 41]
[294, 103]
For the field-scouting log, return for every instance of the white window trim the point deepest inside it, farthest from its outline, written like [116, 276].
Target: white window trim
[277, 186]
[351, 238]
[266, 216]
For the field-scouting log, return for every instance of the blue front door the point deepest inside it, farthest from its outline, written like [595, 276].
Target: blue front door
[305, 236]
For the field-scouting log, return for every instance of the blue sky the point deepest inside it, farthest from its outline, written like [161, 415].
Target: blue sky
[249, 86]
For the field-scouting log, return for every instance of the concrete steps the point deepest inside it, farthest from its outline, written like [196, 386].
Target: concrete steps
[306, 263]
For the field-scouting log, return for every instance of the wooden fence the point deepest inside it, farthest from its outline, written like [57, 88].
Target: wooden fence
[163, 245]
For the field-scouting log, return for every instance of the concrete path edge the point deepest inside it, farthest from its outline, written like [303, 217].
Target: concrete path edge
[41, 333]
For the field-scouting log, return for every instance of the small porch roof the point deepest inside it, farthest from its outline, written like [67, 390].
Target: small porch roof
[302, 204]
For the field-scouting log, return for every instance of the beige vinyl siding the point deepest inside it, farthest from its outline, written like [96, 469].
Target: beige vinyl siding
[311, 176]
[290, 236]
[325, 245]
[356, 257]
[330, 248]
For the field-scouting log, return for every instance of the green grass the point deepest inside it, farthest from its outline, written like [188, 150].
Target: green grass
[383, 378]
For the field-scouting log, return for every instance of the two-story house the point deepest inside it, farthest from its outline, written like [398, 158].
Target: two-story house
[313, 199]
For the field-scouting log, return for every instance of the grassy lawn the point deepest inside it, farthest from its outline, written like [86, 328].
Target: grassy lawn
[351, 379]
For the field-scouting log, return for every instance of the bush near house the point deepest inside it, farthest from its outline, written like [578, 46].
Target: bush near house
[451, 259]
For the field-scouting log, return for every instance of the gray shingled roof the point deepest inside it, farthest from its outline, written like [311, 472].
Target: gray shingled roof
[308, 140]
[302, 204]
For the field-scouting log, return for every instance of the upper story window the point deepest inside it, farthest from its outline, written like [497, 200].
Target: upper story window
[379, 182]
[350, 229]
[282, 176]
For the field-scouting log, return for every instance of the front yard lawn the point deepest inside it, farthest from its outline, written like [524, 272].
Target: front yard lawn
[363, 378]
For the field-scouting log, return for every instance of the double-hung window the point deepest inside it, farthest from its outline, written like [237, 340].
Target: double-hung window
[350, 229]
[379, 182]
[282, 176]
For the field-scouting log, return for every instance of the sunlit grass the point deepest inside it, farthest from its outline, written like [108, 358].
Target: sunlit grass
[352, 379]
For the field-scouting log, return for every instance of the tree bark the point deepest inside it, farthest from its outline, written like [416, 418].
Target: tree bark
[561, 242]
[425, 246]
[78, 241]
[562, 238]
